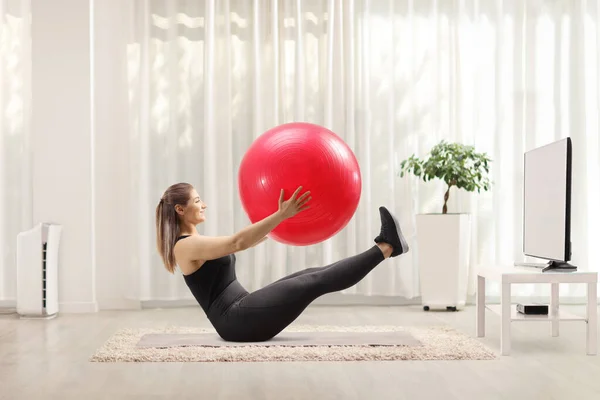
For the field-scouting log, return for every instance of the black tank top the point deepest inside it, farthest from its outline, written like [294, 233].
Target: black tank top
[209, 281]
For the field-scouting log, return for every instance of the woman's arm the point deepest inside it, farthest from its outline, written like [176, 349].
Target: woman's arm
[260, 241]
[198, 247]
[253, 234]
[209, 248]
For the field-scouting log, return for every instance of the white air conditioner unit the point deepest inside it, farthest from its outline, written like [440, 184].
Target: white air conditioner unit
[37, 271]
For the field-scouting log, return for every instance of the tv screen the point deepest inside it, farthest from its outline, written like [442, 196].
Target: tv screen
[547, 201]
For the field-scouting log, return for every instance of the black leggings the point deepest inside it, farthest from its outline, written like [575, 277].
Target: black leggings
[258, 316]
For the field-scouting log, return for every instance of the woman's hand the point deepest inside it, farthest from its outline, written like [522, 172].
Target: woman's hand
[294, 204]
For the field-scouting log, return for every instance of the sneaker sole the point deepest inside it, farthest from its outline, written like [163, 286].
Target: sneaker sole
[401, 238]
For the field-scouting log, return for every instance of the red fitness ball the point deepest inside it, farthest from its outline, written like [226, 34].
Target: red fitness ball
[301, 154]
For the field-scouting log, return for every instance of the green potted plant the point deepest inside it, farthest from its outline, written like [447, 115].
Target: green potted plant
[443, 239]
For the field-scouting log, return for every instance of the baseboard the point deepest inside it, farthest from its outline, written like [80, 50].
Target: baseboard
[333, 299]
[8, 303]
[152, 304]
[8, 306]
[119, 304]
[78, 307]
[338, 299]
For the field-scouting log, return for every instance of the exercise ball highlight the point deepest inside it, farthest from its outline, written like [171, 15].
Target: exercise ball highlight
[301, 154]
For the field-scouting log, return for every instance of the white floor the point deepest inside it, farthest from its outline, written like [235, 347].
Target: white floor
[49, 360]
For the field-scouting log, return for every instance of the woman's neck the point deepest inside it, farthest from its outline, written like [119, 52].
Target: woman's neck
[185, 229]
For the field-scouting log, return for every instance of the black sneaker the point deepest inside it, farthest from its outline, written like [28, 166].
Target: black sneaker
[391, 233]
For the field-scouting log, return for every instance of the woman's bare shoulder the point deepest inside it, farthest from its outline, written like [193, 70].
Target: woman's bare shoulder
[201, 247]
[184, 255]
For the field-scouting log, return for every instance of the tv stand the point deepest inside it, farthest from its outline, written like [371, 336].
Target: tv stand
[506, 276]
[560, 266]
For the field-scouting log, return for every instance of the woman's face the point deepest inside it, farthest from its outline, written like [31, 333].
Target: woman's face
[193, 211]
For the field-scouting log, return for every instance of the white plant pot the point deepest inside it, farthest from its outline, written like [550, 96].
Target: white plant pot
[443, 248]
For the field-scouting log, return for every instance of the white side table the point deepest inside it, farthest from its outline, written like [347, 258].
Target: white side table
[508, 275]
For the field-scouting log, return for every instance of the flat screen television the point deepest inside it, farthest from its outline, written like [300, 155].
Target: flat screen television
[547, 204]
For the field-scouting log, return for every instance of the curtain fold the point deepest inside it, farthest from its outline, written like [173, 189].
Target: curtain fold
[15, 159]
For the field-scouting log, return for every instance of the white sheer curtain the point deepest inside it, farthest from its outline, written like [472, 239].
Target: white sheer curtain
[390, 77]
[15, 102]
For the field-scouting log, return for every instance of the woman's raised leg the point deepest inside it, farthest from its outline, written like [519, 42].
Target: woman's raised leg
[264, 313]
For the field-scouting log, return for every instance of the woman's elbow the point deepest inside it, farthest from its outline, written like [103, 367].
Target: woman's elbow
[239, 244]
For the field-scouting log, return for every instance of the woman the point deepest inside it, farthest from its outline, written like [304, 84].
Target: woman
[208, 265]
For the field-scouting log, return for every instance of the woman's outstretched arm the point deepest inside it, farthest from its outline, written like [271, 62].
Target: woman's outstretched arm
[260, 241]
[208, 248]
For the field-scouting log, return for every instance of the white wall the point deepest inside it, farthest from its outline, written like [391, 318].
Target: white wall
[112, 178]
[80, 154]
[61, 140]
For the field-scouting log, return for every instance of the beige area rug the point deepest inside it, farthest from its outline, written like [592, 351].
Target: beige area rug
[294, 339]
[436, 343]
